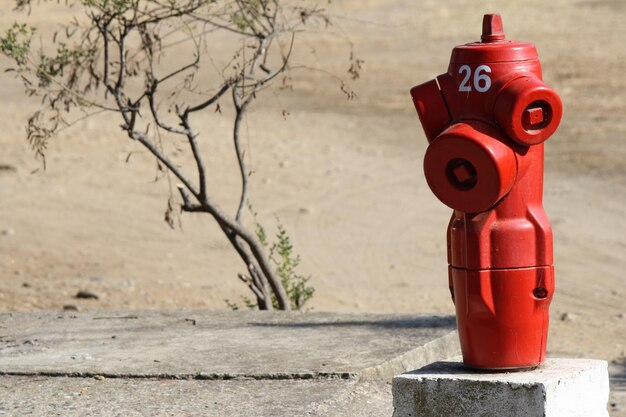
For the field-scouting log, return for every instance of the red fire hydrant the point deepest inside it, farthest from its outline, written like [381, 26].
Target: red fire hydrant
[486, 120]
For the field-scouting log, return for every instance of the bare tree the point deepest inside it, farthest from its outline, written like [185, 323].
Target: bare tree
[113, 61]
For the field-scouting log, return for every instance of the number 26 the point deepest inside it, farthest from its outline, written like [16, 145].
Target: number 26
[482, 82]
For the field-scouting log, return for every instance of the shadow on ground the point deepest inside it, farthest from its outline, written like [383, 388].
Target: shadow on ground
[617, 371]
[397, 323]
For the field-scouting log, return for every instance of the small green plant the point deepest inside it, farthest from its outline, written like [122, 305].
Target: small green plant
[281, 253]
[16, 43]
[286, 261]
[248, 303]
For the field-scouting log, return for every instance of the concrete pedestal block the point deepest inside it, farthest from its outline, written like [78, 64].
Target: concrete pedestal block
[558, 388]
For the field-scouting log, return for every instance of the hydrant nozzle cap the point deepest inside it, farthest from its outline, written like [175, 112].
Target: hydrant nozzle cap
[492, 28]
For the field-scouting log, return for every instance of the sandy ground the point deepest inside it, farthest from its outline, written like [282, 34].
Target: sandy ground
[344, 178]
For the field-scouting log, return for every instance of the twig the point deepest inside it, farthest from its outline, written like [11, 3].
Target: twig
[223, 89]
[145, 141]
[193, 144]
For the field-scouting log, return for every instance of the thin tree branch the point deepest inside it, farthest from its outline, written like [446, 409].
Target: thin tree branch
[240, 108]
[187, 204]
[155, 114]
[180, 70]
[68, 90]
[211, 100]
[193, 144]
[261, 283]
[219, 25]
[105, 39]
[243, 172]
[174, 13]
[121, 76]
[145, 141]
[260, 83]
[252, 286]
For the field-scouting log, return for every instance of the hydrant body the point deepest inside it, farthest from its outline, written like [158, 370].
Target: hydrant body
[486, 120]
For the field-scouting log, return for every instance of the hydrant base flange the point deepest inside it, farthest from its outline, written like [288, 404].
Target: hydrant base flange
[502, 315]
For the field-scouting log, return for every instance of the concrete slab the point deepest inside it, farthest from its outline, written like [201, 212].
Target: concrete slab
[211, 363]
[558, 388]
[222, 345]
[85, 397]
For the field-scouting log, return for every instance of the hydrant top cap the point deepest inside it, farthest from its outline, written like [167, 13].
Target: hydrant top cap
[492, 28]
[493, 48]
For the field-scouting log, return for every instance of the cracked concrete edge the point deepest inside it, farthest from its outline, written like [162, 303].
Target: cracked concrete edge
[445, 347]
[200, 376]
